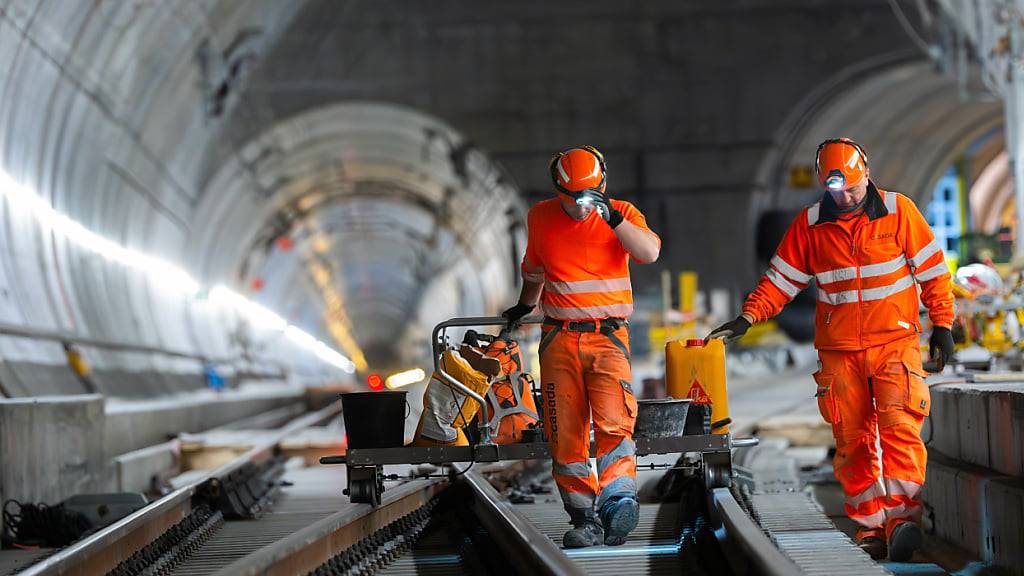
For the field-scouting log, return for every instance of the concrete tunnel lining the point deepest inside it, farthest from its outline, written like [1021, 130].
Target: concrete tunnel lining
[373, 181]
[909, 118]
[135, 136]
[103, 98]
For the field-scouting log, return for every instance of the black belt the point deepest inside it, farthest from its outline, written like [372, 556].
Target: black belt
[600, 325]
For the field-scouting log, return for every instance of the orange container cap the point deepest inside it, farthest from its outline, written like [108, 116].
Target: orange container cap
[694, 342]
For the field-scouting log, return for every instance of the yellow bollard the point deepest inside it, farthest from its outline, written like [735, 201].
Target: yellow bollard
[696, 369]
[688, 303]
[994, 338]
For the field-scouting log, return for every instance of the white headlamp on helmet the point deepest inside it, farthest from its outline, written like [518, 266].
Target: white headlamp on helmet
[835, 180]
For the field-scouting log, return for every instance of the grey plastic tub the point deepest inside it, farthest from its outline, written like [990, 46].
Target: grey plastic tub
[661, 417]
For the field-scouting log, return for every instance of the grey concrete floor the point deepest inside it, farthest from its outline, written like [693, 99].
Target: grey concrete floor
[753, 399]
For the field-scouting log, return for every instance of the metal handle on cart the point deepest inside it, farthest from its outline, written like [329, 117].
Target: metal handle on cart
[744, 442]
[437, 343]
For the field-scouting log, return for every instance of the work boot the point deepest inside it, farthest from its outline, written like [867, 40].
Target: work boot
[905, 538]
[872, 541]
[585, 534]
[619, 517]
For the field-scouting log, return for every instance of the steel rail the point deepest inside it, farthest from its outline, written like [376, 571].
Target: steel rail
[525, 547]
[303, 551]
[750, 538]
[103, 551]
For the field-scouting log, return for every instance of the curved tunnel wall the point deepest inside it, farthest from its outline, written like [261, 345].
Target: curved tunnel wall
[106, 111]
[911, 120]
[410, 222]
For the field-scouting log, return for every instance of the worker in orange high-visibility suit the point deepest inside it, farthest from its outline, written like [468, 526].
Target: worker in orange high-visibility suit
[868, 250]
[577, 266]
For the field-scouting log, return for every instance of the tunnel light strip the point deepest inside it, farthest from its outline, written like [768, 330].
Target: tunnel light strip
[163, 274]
[406, 378]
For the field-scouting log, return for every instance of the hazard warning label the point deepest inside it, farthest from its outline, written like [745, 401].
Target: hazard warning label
[697, 393]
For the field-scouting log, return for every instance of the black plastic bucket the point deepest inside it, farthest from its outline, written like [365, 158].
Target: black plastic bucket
[661, 418]
[698, 420]
[374, 419]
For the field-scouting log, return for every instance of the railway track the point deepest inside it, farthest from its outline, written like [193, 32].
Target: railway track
[303, 524]
[157, 536]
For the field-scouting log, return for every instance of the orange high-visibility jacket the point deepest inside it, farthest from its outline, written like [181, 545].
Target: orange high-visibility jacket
[584, 268]
[867, 269]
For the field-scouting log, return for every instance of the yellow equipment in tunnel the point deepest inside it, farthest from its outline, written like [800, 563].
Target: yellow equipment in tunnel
[447, 411]
[695, 369]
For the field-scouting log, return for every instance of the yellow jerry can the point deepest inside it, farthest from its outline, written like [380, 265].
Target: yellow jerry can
[695, 369]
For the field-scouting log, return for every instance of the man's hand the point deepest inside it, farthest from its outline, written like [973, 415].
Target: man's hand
[940, 347]
[515, 314]
[731, 330]
[604, 208]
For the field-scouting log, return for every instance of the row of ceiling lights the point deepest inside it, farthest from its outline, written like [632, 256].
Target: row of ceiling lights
[163, 275]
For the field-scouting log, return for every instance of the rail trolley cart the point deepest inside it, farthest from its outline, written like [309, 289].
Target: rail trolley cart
[365, 466]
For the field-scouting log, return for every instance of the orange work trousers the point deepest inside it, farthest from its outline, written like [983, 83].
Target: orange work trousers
[877, 396]
[586, 373]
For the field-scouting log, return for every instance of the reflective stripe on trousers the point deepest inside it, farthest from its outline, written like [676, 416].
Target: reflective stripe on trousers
[877, 394]
[584, 373]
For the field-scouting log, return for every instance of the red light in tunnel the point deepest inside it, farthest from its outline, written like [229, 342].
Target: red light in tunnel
[284, 243]
[375, 381]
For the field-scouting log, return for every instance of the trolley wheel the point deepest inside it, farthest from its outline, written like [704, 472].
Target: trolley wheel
[365, 485]
[717, 470]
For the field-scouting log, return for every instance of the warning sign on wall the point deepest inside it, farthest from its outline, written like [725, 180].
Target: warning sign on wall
[801, 177]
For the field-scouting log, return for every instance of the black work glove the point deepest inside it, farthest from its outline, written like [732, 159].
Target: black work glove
[515, 314]
[731, 330]
[604, 208]
[940, 347]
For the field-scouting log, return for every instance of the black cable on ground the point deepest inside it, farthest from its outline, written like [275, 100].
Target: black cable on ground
[39, 524]
[463, 471]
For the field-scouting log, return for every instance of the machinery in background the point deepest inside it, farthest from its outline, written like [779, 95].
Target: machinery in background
[989, 325]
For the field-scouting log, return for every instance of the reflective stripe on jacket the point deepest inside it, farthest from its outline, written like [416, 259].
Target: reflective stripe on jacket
[867, 270]
[584, 268]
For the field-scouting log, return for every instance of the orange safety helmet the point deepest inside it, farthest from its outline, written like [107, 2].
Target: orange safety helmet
[840, 164]
[577, 170]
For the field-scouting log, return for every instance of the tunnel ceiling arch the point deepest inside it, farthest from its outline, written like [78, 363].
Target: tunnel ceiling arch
[110, 111]
[104, 115]
[409, 222]
[910, 119]
[121, 114]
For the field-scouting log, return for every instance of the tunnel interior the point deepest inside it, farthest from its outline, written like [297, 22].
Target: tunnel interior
[361, 223]
[287, 196]
[397, 224]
